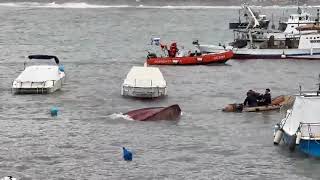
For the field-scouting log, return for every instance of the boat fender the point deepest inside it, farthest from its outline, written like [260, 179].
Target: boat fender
[283, 56]
[292, 144]
[61, 68]
[54, 111]
[276, 128]
[127, 155]
[278, 137]
[298, 138]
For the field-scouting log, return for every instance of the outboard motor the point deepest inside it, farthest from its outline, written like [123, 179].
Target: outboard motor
[151, 55]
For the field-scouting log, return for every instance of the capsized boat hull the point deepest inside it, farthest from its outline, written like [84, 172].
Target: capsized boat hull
[172, 112]
[219, 57]
[276, 104]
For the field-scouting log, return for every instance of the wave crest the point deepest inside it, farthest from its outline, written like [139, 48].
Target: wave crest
[83, 5]
[120, 116]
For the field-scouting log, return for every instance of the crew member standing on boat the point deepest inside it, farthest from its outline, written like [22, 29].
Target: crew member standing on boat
[251, 100]
[173, 50]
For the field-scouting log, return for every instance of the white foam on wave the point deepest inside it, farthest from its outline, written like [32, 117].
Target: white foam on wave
[83, 5]
[120, 116]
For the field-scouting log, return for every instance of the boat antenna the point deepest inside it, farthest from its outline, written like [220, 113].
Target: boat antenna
[272, 26]
[318, 20]
[319, 82]
[300, 92]
[239, 16]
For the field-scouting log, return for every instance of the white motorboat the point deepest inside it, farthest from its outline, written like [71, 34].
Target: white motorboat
[42, 74]
[300, 128]
[144, 82]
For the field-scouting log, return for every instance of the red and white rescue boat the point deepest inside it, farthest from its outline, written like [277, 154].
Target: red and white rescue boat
[174, 56]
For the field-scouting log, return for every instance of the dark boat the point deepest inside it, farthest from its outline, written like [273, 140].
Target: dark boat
[172, 112]
[276, 104]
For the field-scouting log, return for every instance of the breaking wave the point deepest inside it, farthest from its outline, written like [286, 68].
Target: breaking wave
[120, 116]
[83, 5]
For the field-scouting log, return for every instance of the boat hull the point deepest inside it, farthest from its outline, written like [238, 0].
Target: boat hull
[143, 92]
[276, 104]
[303, 54]
[36, 87]
[156, 113]
[306, 146]
[246, 53]
[218, 58]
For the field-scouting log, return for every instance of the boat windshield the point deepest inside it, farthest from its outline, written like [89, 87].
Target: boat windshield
[42, 60]
[39, 62]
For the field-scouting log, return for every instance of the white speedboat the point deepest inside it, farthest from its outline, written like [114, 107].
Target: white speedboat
[144, 82]
[300, 129]
[42, 74]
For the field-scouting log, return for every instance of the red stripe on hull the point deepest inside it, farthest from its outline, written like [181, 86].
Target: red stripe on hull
[192, 60]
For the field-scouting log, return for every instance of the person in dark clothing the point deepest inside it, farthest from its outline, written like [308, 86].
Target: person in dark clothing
[256, 94]
[266, 98]
[251, 100]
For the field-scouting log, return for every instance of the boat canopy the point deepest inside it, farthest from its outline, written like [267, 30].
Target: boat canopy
[44, 57]
[144, 77]
[305, 110]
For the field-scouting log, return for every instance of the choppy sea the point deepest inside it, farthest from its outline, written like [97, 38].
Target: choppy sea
[98, 43]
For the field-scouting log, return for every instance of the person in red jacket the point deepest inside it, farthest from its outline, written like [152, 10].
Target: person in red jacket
[173, 50]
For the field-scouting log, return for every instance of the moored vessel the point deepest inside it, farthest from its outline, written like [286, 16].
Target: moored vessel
[42, 74]
[144, 82]
[175, 56]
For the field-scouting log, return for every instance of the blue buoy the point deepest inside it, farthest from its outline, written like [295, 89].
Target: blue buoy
[54, 111]
[127, 155]
[61, 68]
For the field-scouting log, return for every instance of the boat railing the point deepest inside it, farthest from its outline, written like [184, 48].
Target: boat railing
[310, 130]
[43, 83]
[309, 93]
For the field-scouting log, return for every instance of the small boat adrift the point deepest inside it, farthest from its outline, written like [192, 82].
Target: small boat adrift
[41, 75]
[144, 82]
[172, 112]
[276, 104]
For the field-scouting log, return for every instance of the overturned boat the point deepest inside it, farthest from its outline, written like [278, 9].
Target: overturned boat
[276, 104]
[42, 74]
[178, 56]
[144, 82]
[172, 112]
[300, 129]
